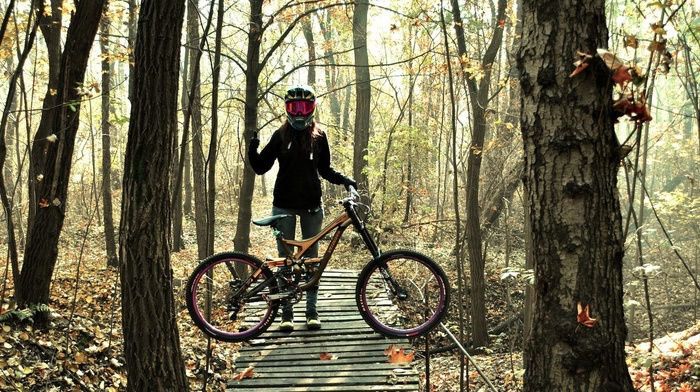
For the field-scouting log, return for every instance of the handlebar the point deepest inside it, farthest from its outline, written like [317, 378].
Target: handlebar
[353, 192]
[353, 195]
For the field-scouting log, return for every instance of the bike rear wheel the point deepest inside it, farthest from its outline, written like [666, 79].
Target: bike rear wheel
[221, 297]
[402, 294]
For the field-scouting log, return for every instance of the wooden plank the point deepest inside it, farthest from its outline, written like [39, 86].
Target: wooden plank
[399, 372]
[353, 357]
[330, 388]
[274, 384]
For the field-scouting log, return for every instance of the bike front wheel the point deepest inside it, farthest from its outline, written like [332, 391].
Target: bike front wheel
[227, 297]
[402, 294]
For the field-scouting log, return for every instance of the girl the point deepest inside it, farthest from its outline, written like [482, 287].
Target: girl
[301, 149]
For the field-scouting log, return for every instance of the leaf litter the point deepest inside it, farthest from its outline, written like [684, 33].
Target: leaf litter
[82, 349]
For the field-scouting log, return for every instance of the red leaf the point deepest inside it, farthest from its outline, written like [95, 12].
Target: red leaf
[326, 357]
[621, 76]
[636, 109]
[581, 64]
[579, 68]
[584, 316]
[248, 373]
[397, 354]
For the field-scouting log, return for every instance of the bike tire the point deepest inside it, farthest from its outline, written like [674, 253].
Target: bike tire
[213, 308]
[427, 294]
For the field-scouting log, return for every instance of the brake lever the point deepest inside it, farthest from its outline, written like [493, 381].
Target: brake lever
[353, 192]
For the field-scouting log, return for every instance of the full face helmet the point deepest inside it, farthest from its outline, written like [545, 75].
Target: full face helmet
[300, 104]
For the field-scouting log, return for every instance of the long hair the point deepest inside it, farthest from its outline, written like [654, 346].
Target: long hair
[307, 137]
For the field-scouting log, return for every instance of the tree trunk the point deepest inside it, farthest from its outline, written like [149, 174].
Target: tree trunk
[50, 26]
[311, 45]
[151, 341]
[9, 204]
[176, 191]
[479, 99]
[110, 237]
[242, 238]
[363, 93]
[571, 166]
[133, 25]
[331, 69]
[195, 109]
[53, 156]
[213, 143]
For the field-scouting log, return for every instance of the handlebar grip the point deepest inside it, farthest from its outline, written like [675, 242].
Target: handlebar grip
[353, 195]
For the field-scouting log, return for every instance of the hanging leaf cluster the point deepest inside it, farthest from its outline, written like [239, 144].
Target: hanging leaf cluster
[627, 78]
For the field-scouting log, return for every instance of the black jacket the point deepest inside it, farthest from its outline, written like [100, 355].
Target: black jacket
[297, 184]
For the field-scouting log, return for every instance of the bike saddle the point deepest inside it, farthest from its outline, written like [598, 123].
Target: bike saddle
[271, 220]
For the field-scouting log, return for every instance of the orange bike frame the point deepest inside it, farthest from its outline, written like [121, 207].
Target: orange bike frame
[341, 223]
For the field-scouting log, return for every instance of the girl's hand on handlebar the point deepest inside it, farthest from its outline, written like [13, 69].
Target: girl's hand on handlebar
[349, 182]
[353, 192]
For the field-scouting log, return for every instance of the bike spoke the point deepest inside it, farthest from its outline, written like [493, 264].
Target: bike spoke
[406, 296]
[221, 303]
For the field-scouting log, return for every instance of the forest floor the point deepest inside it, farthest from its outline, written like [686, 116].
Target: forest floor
[82, 350]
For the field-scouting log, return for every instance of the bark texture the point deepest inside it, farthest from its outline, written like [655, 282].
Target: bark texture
[571, 166]
[363, 93]
[52, 157]
[241, 240]
[151, 338]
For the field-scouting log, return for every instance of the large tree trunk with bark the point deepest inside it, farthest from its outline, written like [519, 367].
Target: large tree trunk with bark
[151, 339]
[571, 166]
[52, 158]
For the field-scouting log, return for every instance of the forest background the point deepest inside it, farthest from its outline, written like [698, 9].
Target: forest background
[435, 144]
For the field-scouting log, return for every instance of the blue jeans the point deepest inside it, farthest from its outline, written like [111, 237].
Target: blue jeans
[311, 222]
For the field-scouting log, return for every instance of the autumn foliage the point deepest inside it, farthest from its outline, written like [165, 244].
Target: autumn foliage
[626, 78]
[397, 354]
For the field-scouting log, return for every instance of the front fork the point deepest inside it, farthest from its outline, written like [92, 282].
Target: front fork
[394, 286]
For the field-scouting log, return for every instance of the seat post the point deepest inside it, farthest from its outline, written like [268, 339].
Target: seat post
[279, 236]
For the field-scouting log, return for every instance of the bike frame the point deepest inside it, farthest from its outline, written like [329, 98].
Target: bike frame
[348, 217]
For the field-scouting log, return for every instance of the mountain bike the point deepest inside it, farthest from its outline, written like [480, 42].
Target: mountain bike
[234, 296]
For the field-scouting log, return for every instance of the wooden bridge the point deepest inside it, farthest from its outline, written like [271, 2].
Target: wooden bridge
[344, 355]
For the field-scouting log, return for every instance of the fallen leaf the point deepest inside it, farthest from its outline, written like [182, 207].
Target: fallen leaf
[390, 350]
[327, 357]
[80, 358]
[248, 373]
[397, 354]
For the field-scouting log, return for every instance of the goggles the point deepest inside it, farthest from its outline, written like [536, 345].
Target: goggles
[300, 108]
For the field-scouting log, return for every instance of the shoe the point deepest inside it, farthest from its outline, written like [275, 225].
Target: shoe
[287, 326]
[313, 323]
